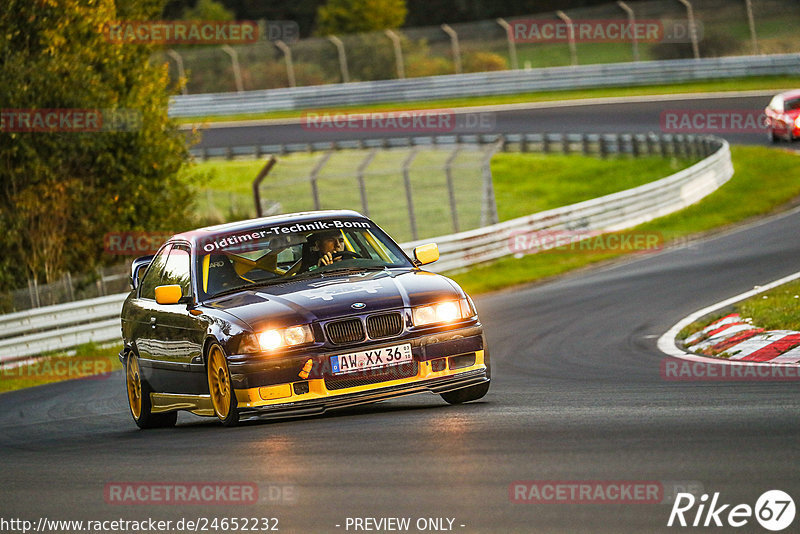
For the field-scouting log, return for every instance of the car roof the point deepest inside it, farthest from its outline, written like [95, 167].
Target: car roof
[252, 224]
[788, 95]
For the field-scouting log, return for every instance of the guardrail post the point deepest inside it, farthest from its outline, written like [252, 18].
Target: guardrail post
[398, 53]
[692, 28]
[287, 54]
[573, 52]
[602, 146]
[635, 146]
[752, 23]
[585, 144]
[489, 205]
[181, 72]
[237, 72]
[545, 144]
[565, 144]
[632, 22]
[362, 188]
[512, 45]
[451, 192]
[257, 184]
[409, 197]
[342, 57]
[454, 45]
[314, 173]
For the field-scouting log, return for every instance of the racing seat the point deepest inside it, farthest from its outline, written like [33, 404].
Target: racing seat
[221, 274]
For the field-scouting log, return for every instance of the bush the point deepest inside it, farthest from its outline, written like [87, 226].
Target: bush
[484, 62]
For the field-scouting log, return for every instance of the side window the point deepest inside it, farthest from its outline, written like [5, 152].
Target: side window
[147, 289]
[177, 269]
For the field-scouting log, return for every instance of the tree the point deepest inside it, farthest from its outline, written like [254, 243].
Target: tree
[358, 16]
[207, 10]
[61, 191]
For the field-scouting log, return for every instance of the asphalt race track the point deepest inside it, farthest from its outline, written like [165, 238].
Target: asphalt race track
[629, 117]
[577, 394]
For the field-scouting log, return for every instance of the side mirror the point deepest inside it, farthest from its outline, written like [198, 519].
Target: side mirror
[170, 294]
[425, 254]
[138, 268]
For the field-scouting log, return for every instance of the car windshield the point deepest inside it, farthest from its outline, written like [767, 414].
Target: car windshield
[791, 105]
[281, 253]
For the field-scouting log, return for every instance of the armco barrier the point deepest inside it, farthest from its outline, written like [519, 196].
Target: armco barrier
[98, 319]
[484, 84]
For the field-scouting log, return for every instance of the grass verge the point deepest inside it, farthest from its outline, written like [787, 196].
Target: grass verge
[770, 83]
[767, 178]
[89, 362]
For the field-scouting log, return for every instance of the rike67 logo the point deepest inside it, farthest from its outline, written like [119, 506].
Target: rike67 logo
[774, 510]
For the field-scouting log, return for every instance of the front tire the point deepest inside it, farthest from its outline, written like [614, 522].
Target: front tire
[223, 397]
[139, 398]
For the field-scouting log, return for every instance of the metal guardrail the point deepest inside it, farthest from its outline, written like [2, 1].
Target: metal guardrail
[97, 320]
[483, 84]
[609, 213]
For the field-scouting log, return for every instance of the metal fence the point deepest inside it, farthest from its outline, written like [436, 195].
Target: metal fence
[722, 27]
[485, 84]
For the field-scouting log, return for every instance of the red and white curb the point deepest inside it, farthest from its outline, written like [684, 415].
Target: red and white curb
[743, 343]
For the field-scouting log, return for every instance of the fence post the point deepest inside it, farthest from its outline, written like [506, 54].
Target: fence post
[632, 22]
[257, 184]
[454, 45]
[287, 54]
[342, 57]
[360, 175]
[451, 192]
[69, 285]
[409, 198]
[314, 173]
[573, 52]
[512, 45]
[752, 23]
[237, 72]
[398, 53]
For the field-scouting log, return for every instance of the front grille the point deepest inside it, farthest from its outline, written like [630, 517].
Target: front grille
[384, 325]
[405, 370]
[348, 331]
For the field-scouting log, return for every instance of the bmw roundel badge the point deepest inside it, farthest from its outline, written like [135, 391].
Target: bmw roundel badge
[358, 305]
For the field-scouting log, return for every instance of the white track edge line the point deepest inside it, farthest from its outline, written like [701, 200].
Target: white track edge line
[666, 343]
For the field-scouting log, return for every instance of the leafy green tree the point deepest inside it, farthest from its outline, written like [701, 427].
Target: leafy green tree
[358, 16]
[62, 191]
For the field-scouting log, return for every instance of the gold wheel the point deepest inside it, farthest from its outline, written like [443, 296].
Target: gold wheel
[219, 382]
[134, 382]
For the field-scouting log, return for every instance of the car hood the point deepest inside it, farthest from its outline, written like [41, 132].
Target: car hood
[323, 298]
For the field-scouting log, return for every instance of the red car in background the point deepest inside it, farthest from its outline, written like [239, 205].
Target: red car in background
[783, 116]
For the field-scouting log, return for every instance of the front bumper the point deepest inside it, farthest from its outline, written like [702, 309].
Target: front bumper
[442, 361]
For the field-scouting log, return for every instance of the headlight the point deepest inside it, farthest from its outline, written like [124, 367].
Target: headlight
[443, 312]
[285, 337]
[797, 122]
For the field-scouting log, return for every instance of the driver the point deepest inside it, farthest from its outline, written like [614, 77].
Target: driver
[330, 245]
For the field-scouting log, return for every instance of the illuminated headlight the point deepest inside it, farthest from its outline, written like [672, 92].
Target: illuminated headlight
[443, 312]
[285, 337]
[797, 122]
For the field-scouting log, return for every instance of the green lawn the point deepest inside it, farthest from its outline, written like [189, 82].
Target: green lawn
[524, 184]
[89, 362]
